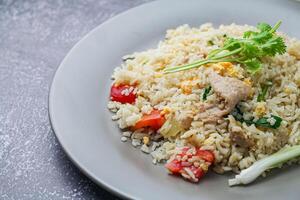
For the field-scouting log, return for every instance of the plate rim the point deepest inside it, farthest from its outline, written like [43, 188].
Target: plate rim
[103, 184]
[97, 180]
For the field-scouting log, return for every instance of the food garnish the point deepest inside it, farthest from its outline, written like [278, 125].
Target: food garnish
[171, 128]
[271, 121]
[154, 120]
[223, 115]
[122, 93]
[254, 171]
[264, 89]
[247, 51]
[190, 163]
[206, 93]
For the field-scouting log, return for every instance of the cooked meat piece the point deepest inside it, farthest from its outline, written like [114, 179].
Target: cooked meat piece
[186, 122]
[231, 90]
[212, 114]
[238, 136]
[185, 119]
[240, 139]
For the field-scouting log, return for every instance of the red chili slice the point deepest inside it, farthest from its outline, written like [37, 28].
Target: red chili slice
[122, 93]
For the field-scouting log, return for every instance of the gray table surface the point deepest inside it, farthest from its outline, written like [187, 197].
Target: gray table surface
[34, 38]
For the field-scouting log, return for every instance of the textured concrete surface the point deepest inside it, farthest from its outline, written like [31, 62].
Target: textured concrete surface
[34, 38]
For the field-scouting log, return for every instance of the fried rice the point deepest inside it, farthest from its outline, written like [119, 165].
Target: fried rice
[178, 96]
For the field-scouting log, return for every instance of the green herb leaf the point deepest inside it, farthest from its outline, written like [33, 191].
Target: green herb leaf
[237, 114]
[264, 122]
[262, 95]
[210, 43]
[264, 27]
[253, 65]
[248, 50]
[261, 122]
[206, 93]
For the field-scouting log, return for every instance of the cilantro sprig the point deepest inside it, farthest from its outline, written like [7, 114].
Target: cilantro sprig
[247, 51]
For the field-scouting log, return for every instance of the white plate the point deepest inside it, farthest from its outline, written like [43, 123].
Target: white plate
[80, 90]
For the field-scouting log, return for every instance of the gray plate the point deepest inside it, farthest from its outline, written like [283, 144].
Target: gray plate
[80, 90]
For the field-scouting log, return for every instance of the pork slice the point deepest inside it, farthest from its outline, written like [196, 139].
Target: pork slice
[241, 139]
[238, 135]
[232, 90]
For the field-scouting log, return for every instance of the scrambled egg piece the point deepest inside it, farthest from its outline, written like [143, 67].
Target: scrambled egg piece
[248, 81]
[166, 110]
[287, 90]
[225, 68]
[260, 109]
[187, 85]
[146, 140]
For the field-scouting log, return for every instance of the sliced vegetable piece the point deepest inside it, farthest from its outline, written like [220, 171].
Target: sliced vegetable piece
[187, 164]
[237, 114]
[174, 166]
[210, 43]
[273, 121]
[122, 93]
[250, 174]
[265, 122]
[171, 128]
[154, 120]
[264, 89]
[206, 93]
[197, 171]
[206, 155]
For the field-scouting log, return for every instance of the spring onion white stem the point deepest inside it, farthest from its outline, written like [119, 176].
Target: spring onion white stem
[250, 174]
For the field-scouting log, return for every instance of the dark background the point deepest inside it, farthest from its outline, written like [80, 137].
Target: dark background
[34, 38]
